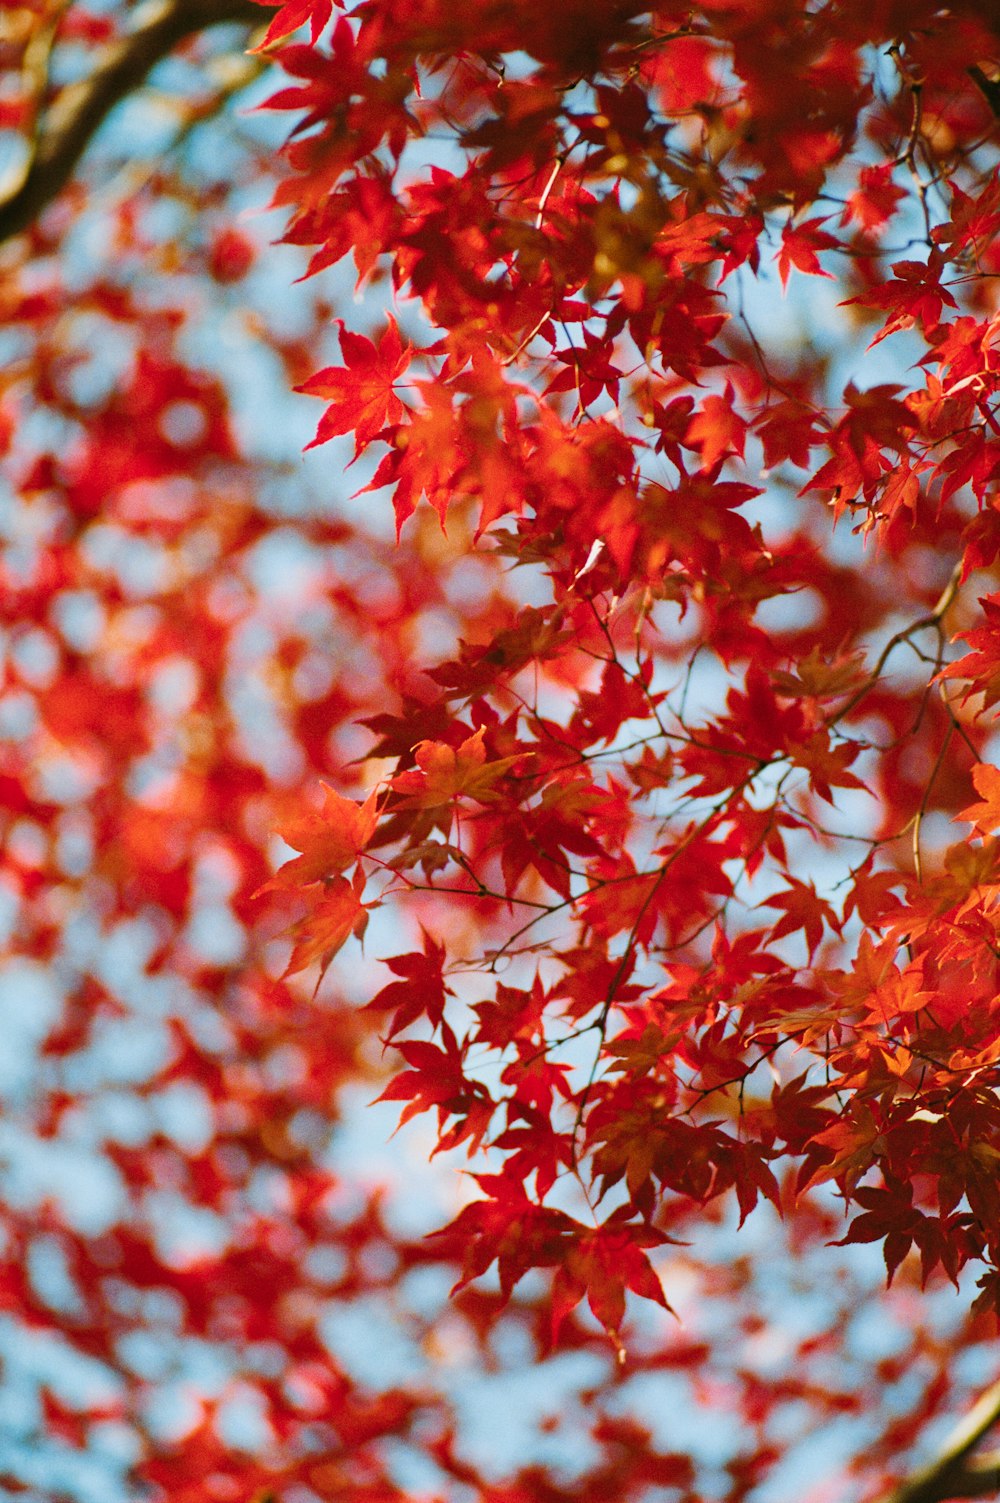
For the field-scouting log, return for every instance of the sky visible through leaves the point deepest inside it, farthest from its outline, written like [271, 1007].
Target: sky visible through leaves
[785, 1299]
[370, 1336]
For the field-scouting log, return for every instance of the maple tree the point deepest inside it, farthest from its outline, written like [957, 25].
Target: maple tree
[587, 749]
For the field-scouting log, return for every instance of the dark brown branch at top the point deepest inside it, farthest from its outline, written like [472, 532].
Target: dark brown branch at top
[988, 84]
[954, 1472]
[67, 126]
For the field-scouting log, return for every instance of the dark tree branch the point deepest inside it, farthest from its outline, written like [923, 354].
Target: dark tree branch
[988, 85]
[67, 126]
[954, 1473]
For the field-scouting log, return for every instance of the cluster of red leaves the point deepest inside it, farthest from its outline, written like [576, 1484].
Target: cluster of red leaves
[574, 374]
[668, 721]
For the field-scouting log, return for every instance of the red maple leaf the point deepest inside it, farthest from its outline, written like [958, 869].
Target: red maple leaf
[361, 394]
[799, 246]
[293, 14]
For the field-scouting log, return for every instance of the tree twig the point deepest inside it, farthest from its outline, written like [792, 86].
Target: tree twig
[65, 129]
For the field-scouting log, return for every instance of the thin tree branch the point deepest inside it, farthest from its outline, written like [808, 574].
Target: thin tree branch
[67, 126]
[953, 1473]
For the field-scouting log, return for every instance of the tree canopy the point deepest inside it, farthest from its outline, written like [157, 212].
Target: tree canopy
[587, 749]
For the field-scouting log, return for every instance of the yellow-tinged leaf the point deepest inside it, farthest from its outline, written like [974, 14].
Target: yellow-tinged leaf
[443, 773]
[986, 814]
[330, 839]
[855, 1141]
[338, 914]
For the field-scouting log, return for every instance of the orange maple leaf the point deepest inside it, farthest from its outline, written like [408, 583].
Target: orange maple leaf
[986, 814]
[444, 773]
[330, 839]
[338, 914]
[855, 1141]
